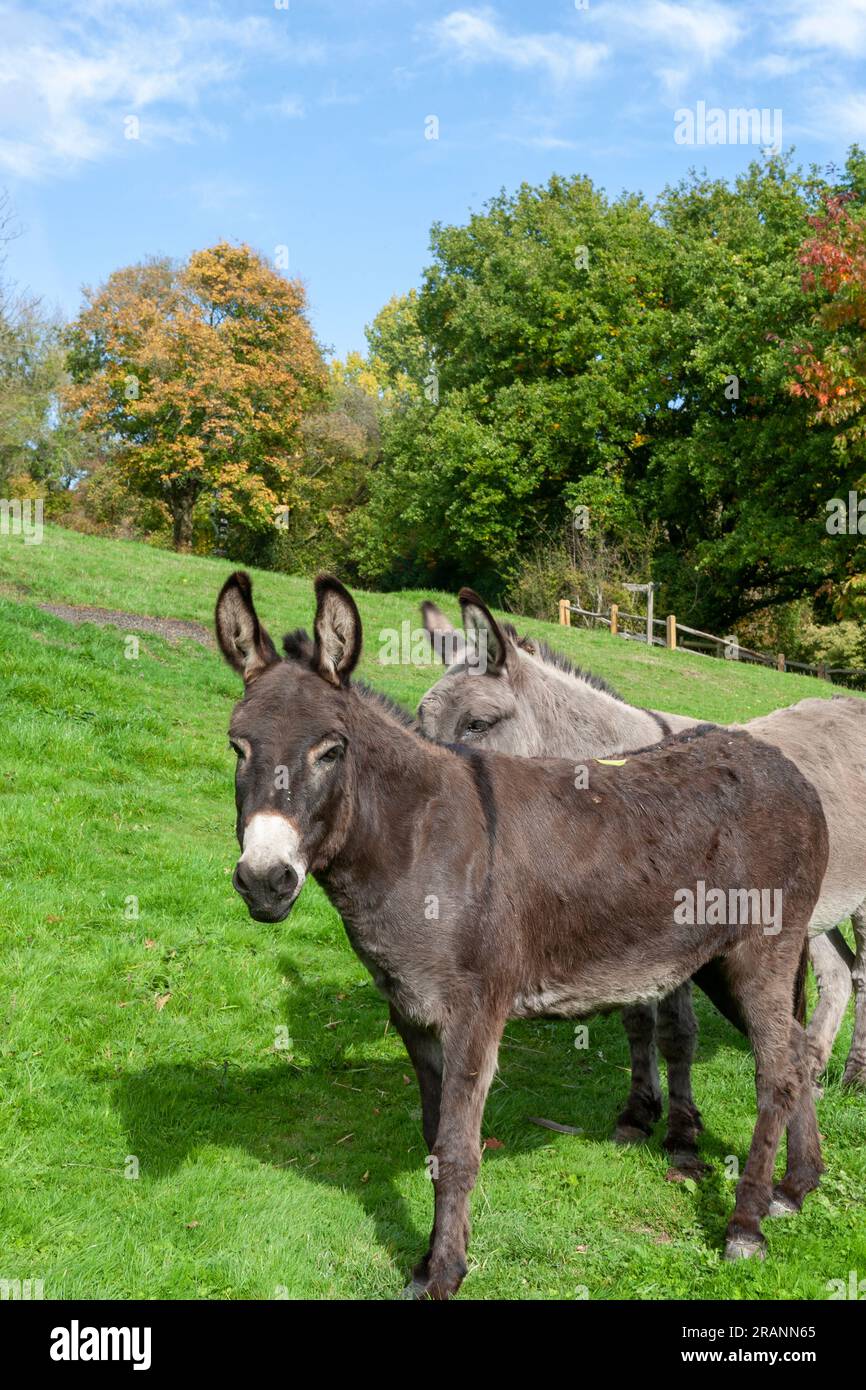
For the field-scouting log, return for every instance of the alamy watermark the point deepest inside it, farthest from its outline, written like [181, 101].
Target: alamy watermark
[413, 646]
[846, 518]
[22, 517]
[15, 1290]
[852, 1288]
[738, 125]
[77, 1343]
[716, 907]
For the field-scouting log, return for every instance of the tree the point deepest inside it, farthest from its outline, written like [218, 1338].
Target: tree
[528, 343]
[341, 446]
[829, 368]
[397, 354]
[734, 475]
[832, 372]
[39, 449]
[198, 376]
[626, 358]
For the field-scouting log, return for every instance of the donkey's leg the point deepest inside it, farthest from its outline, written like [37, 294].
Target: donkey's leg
[855, 1069]
[832, 961]
[778, 1087]
[677, 1034]
[470, 1047]
[425, 1053]
[644, 1105]
[804, 1166]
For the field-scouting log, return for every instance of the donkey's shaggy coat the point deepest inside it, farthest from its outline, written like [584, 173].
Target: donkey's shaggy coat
[534, 702]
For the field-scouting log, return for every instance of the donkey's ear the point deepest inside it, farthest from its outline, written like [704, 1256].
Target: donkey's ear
[445, 641]
[243, 641]
[338, 631]
[492, 644]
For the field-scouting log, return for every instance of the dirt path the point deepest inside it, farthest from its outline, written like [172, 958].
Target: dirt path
[170, 628]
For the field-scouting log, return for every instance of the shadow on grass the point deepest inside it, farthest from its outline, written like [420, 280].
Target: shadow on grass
[353, 1122]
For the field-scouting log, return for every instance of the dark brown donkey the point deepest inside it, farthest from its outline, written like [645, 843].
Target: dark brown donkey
[478, 887]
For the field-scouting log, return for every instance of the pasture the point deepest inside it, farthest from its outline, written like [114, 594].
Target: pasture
[244, 1071]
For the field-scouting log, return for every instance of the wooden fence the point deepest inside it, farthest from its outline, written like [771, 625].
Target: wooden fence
[639, 627]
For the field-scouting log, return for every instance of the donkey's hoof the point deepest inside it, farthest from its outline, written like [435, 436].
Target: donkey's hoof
[687, 1165]
[780, 1205]
[630, 1134]
[415, 1291]
[435, 1282]
[745, 1247]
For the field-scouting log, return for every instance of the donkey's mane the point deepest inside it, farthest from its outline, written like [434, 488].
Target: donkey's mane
[562, 663]
[298, 646]
[683, 736]
[378, 697]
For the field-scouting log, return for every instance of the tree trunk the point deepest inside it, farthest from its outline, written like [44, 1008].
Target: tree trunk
[181, 511]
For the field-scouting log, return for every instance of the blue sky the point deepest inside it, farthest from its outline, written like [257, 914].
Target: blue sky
[302, 124]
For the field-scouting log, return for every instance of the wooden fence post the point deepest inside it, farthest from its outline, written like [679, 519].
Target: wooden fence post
[564, 612]
[672, 631]
[614, 618]
[780, 661]
[822, 671]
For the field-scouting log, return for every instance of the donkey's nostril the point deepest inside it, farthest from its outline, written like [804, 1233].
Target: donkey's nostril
[282, 880]
[239, 879]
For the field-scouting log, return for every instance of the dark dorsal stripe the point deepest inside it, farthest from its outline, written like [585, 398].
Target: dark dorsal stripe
[551, 657]
[661, 721]
[378, 697]
[483, 785]
[685, 736]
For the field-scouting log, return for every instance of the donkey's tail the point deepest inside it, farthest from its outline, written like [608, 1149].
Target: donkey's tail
[800, 984]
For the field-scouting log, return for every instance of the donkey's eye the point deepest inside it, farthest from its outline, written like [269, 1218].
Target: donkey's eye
[241, 752]
[478, 726]
[331, 755]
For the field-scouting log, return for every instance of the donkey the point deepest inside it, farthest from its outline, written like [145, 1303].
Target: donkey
[532, 701]
[529, 922]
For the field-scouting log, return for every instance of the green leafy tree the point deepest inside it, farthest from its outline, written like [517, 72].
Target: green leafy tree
[734, 476]
[397, 354]
[341, 446]
[534, 319]
[632, 360]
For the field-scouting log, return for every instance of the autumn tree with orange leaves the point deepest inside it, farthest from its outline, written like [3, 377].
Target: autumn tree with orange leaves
[198, 376]
[831, 372]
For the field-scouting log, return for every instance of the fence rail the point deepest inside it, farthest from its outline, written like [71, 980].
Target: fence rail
[702, 643]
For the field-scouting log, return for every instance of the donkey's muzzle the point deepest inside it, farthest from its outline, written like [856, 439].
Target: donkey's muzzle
[268, 895]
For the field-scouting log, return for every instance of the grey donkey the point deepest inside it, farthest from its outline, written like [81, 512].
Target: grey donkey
[528, 700]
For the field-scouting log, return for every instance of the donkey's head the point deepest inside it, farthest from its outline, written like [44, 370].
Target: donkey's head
[526, 699]
[291, 733]
[478, 702]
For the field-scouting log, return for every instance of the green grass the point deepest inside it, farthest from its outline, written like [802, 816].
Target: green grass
[268, 1171]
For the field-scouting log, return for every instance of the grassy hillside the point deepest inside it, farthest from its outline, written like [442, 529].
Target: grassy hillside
[152, 1043]
[83, 570]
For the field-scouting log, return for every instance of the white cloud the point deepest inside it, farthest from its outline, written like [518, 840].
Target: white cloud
[778, 65]
[333, 96]
[673, 81]
[475, 36]
[839, 117]
[545, 142]
[704, 30]
[840, 28]
[290, 107]
[67, 85]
